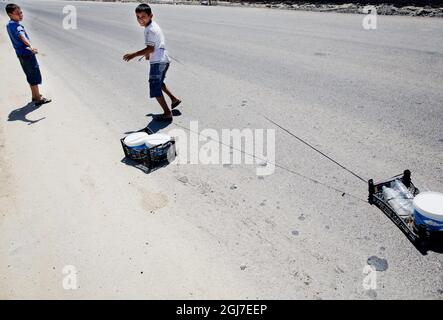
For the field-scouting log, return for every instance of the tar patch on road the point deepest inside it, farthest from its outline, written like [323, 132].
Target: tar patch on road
[378, 263]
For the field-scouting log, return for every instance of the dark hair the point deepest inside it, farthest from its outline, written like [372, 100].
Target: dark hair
[10, 8]
[143, 7]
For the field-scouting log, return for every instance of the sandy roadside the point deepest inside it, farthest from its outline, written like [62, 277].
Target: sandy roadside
[66, 199]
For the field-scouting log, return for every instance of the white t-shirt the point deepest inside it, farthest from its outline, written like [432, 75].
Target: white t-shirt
[154, 37]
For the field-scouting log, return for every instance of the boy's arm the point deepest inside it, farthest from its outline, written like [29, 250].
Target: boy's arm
[27, 44]
[144, 52]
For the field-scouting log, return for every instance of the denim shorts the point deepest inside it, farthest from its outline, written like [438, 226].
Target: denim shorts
[157, 75]
[30, 67]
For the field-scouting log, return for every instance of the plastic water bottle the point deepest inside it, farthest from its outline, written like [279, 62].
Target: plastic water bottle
[402, 206]
[405, 193]
[400, 187]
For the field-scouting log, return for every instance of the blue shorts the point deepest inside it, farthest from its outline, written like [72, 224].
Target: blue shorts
[157, 75]
[30, 67]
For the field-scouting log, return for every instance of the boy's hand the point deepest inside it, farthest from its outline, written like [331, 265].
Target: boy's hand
[129, 56]
[33, 50]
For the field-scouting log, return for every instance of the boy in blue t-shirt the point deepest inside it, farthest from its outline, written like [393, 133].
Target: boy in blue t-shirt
[25, 52]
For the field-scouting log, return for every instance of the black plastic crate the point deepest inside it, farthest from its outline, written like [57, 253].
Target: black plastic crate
[149, 159]
[419, 236]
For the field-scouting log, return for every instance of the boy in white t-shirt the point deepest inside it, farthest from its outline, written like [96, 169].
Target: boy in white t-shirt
[156, 53]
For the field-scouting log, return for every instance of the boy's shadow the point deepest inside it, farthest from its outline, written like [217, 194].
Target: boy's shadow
[21, 113]
[156, 125]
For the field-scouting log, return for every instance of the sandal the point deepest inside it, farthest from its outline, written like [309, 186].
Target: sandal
[175, 104]
[42, 101]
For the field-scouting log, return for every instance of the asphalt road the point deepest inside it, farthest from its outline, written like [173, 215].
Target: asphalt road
[372, 100]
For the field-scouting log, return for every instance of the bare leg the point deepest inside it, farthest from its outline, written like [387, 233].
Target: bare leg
[169, 93]
[166, 112]
[35, 93]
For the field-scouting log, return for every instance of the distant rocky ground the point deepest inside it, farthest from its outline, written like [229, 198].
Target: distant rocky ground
[382, 9]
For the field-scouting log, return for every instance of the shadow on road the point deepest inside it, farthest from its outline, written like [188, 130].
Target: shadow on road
[21, 113]
[142, 166]
[436, 245]
[156, 125]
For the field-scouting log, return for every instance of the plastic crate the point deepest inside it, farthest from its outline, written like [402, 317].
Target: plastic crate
[406, 224]
[148, 159]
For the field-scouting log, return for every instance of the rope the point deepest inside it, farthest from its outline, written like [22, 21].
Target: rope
[315, 149]
[342, 192]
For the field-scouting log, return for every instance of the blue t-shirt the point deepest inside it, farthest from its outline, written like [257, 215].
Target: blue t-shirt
[15, 29]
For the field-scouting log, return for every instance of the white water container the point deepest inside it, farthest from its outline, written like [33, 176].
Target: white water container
[136, 140]
[156, 139]
[428, 210]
